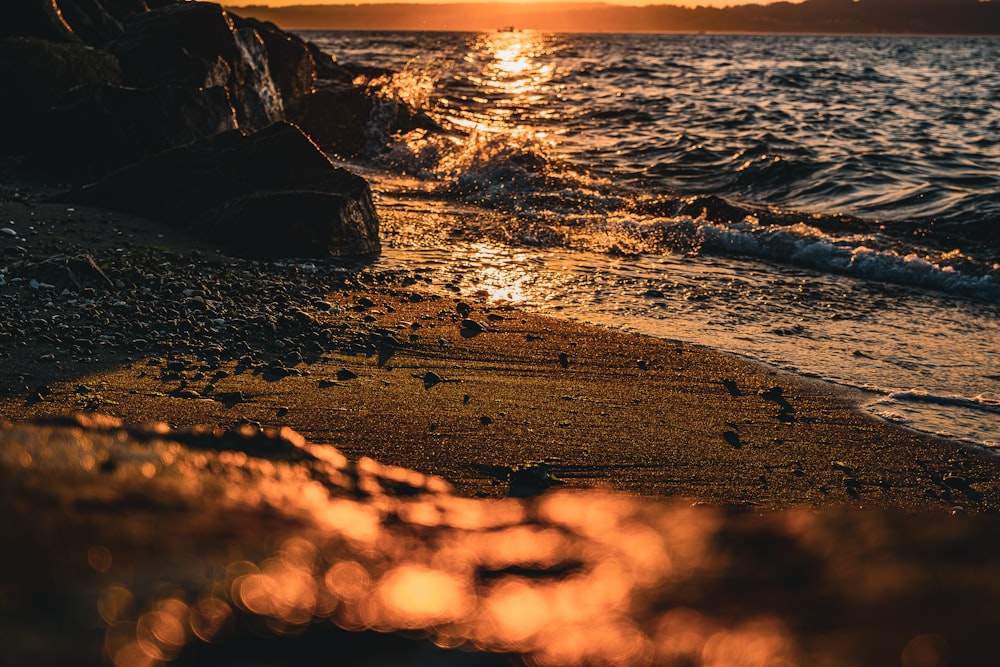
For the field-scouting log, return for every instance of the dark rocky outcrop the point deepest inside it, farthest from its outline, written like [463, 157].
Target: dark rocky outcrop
[197, 45]
[269, 194]
[327, 66]
[90, 20]
[35, 18]
[290, 60]
[348, 119]
[297, 223]
[333, 115]
[94, 130]
[36, 73]
[173, 107]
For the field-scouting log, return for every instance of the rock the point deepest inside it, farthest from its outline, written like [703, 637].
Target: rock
[531, 479]
[334, 116]
[195, 45]
[431, 379]
[349, 119]
[74, 273]
[346, 374]
[327, 66]
[90, 20]
[471, 328]
[97, 129]
[777, 395]
[125, 9]
[35, 18]
[36, 73]
[269, 194]
[316, 224]
[290, 60]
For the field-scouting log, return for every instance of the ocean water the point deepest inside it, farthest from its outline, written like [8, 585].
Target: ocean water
[829, 205]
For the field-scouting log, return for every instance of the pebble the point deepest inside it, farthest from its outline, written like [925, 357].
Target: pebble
[472, 327]
[8, 231]
[259, 311]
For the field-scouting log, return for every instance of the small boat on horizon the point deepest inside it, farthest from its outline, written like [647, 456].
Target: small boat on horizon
[507, 28]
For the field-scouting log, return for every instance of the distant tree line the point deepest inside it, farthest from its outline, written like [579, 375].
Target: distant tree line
[965, 17]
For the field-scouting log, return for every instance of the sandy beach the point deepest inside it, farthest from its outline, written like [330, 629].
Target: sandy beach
[450, 385]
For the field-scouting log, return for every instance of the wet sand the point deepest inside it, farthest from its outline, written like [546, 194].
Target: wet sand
[601, 409]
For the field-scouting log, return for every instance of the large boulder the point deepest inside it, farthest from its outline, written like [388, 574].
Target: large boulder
[349, 119]
[35, 18]
[327, 66]
[290, 60]
[269, 194]
[35, 74]
[336, 116]
[94, 130]
[195, 45]
[90, 20]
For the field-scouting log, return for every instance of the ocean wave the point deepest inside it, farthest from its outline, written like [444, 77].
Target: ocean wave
[516, 173]
[804, 245]
[982, 402]
[973, 419]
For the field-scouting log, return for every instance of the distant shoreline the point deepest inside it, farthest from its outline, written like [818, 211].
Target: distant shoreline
[935, 18]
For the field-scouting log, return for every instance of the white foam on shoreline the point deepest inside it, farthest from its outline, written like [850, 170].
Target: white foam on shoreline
[976, 419]
[804, 245]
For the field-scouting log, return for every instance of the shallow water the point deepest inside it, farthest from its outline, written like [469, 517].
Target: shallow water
[928, 361]
[829, 205]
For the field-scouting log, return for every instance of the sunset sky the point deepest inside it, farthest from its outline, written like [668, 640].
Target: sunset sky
[687, 3]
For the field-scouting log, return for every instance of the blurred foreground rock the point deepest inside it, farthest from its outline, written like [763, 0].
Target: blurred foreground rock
[141, 545]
